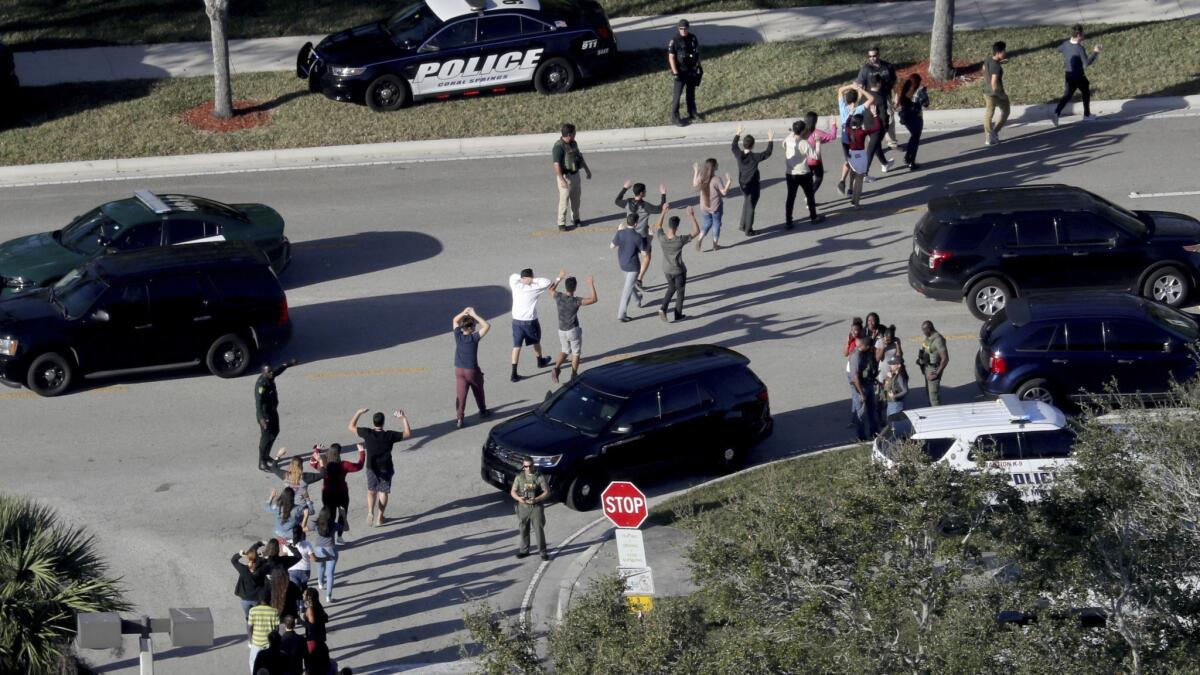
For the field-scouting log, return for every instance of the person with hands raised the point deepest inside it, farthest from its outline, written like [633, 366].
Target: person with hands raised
[672, 243]
[643, 210]
[380, 469]
[570, 333]
[712, 204]
[468, 329]
[748, 176]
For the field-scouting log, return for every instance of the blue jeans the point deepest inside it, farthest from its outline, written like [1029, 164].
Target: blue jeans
[628, 291]
[894, 407]
[712, 221]
[247, 605]
[325, 567]
[864, 412]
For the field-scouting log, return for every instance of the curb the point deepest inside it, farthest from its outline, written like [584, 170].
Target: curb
[566, 586]
[494, 147]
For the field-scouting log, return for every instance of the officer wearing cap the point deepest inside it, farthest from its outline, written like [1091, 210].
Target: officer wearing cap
[683, 56]
[266, 410]
[530, 489]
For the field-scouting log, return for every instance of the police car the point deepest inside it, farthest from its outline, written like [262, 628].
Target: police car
[1028, 440]
[439, 48]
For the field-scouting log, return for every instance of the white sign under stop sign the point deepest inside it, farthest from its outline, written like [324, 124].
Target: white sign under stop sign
[624, 504]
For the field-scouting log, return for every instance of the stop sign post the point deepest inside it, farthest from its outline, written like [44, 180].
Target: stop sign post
[626, 507]
[624, 504]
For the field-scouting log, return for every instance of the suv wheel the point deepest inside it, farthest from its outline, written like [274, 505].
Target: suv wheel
[1168, 286]
[730, 458]
[988, 296]
[555, 76]
[387, 93]
[229, 356]
[1036, 390]
[584, 491]
[49, 375]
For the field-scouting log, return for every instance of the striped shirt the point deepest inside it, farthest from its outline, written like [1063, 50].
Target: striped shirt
[263, 619]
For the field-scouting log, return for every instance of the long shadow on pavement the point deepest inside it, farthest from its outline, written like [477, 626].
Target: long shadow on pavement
[319, 260]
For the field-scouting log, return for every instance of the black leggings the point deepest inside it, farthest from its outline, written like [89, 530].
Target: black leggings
[805, 182]
[818, 173]
[1074, 82]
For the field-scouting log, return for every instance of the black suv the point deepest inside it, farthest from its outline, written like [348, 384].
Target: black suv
[695, 405]
[989, 246]
[1052, 348]
[143, 311]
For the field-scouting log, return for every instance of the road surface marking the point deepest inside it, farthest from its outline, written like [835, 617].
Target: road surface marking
[1151, 195]
[114, 389]
[374, 372]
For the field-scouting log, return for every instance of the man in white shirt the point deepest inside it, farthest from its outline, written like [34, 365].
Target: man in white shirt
[526, 291]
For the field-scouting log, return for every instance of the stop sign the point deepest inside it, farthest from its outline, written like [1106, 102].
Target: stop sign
[624, 504]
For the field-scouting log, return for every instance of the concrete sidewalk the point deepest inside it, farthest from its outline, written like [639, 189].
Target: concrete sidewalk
[192, 59]
[598, 140]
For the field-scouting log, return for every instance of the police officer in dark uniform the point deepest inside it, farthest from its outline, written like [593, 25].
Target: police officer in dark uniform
[266, 409]
[683, 55]
[530, 489]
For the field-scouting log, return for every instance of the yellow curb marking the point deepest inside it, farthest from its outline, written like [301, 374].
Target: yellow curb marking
[114, 389]
[375, 372]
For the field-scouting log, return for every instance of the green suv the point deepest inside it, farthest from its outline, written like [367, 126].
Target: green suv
[142, 221]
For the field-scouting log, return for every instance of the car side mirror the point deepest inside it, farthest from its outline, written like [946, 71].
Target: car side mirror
[101, 316]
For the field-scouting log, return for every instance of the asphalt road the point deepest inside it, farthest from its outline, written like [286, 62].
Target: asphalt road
[162, 469]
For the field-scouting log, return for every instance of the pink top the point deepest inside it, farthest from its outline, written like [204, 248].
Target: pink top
[823, 136]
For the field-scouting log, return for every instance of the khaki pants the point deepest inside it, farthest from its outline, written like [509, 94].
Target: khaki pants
[534, 515]
[990, 105]
[568, 196]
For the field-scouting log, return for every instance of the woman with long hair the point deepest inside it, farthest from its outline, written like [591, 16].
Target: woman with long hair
[911, 101]
[315, 619]
[291, 471]
[712, 204]
[815, 138]
[321, 536]
[860, 156]
[287, 515]
[279, 585]
[895, 385]
[251, 575]
[335, 494]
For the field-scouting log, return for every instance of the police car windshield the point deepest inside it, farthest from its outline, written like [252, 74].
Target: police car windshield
[85, 234]
[582, 408]
[412, 24]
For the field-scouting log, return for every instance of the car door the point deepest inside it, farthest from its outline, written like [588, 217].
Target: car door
[1031, 254]
[1099, 255]
[690, 428]
[1137, 351]
[119, 333]
[444, 58]
[192, 231]
[633, 433]
[504, 53]
[1043, 455]
[183, 316]
[997, 453]
[137, 237]
[1085, 365]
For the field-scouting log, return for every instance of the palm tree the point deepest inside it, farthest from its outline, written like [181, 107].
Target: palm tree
[49, 571]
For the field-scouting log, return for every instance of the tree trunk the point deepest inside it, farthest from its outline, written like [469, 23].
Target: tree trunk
[218, 16]
[941, 41]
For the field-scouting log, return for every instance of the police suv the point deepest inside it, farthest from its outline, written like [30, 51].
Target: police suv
[1028, 440]
[438, 48]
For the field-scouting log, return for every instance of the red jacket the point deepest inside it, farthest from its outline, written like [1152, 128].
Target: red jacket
[858, 137]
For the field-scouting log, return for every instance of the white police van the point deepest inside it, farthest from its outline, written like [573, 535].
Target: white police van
[1029, 440]
[441, 48]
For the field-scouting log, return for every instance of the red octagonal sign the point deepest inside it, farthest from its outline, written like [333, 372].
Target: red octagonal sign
[624, 504]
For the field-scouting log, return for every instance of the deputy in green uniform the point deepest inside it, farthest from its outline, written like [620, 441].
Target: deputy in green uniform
[266, 409]
[530, 490]
[933, 360]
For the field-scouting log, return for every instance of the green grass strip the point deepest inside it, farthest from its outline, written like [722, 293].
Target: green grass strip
[141, 118]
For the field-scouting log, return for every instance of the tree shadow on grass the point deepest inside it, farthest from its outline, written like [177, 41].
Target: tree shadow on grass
[38, 105]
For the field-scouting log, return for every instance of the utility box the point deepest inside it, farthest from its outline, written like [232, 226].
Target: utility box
[98, 630]
[191, 627]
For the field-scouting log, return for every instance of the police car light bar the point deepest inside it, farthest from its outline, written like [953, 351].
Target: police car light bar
[1016, 411]
[152, 201]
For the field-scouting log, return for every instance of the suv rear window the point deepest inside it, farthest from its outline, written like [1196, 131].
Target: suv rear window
[737, 381]
[899, 431]
[955, 236]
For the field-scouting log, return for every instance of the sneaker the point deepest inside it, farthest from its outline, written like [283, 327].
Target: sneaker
[750, 232]
[562, 228]
[1054, 120]
[485, 414]
[514, 378]
[913, 166]
[328, 599]
[680, 317]
[545, 556]
[788, 225]
[995, 138]
[868, 179]
[883, 169]
[320, 586]
[578, 223]
[820, 218]
[625, 319]
[678, 122]
[987, 139]
[841, 187]
[543, 361]
[1090, 118]
[662, 314]
[458, 423]
[522, 554]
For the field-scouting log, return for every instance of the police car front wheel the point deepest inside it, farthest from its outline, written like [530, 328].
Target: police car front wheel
[555, 76]
[387, 93]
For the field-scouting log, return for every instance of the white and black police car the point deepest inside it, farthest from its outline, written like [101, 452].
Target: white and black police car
[1027, 440]
[440, 48]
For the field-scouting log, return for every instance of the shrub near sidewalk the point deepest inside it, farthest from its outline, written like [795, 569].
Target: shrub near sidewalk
[139, 118]
[52, 24]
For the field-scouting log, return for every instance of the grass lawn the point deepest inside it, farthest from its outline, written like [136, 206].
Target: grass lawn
[55, 24]
[823, 473]
[140, 118]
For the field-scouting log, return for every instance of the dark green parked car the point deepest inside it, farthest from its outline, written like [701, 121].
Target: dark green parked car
[139, 222]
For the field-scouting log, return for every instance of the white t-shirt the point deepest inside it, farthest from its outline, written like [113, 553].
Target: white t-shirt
[526, 296]
[304, 550]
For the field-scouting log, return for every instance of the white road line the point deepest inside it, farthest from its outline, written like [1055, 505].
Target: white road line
[1152, 195]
